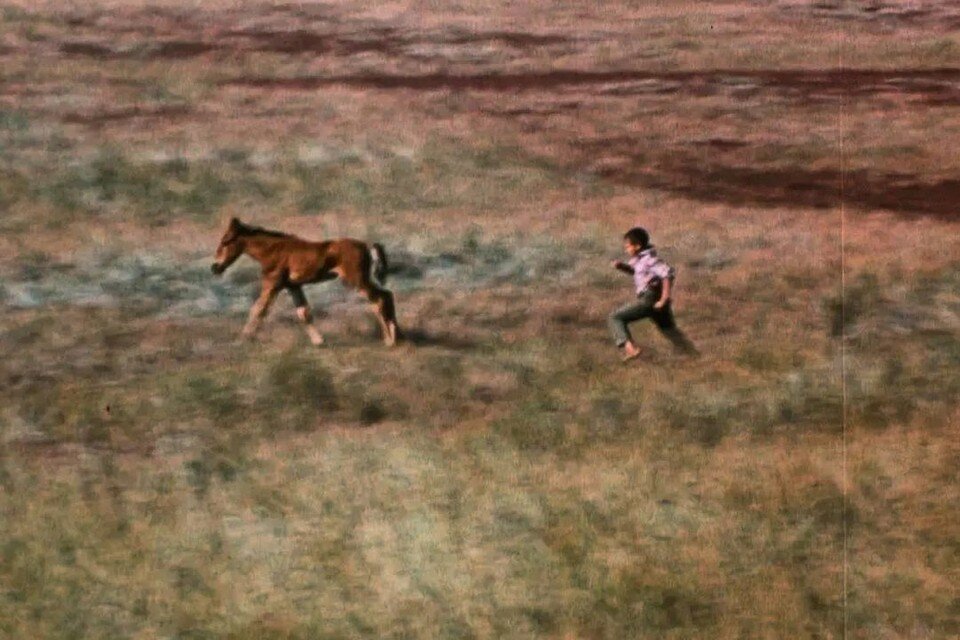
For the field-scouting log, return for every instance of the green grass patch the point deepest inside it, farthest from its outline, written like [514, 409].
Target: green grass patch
[441, 174]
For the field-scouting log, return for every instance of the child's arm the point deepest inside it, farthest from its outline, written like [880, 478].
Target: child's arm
[622, 266]
[664, 294]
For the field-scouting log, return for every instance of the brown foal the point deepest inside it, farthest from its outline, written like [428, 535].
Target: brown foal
[288, 262]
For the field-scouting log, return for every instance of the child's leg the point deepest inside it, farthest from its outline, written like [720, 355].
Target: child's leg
[668, 327]
[619, 319]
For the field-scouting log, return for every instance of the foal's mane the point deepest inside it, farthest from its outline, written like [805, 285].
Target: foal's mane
[249, 230]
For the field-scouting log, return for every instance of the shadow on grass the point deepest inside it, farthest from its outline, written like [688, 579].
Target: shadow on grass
[420, 337]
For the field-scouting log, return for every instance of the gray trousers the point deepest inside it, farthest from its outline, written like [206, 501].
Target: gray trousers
[643, 308]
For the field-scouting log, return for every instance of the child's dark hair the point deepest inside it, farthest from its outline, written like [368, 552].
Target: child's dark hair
[638, 236]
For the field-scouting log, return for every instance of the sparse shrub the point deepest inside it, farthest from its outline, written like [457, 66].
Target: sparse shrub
[199, 474]
[809, 398]
[189, 581]
[537, 425]
[208, 192]
[234, 155]
[40, 409]
[97, 419]
[632, 604]
[941, 368]
[878, 397]
[66, 414]
[202, 395]
[489, 253]
[759, 359]
[706, 415]
[177, 168]
[253, 187]
[13, 187]
[856, 300]
[14, 120]
[824, 504]
[34, 265]
[611, 417]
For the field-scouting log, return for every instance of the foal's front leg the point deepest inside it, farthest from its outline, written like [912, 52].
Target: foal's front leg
[268, 292]
[303, 312]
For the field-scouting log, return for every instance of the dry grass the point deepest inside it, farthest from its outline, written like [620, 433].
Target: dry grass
[500, 474]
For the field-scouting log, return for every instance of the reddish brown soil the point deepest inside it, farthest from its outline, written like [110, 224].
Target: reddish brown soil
[127, 113]
[547, 84]
[927, 83]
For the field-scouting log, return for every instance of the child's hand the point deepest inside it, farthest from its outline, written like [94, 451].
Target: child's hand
[660, 303]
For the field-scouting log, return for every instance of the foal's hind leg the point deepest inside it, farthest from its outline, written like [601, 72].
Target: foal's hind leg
[303, 312]
[383, 308]
[382, 300]
[268, 293]
[358, 275]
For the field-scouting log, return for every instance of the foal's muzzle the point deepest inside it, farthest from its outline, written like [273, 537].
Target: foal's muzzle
[217, 268]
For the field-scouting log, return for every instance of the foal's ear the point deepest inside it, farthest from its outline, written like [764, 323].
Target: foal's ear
[234, 222]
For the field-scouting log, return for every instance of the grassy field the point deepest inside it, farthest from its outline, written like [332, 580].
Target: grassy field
[499, 474]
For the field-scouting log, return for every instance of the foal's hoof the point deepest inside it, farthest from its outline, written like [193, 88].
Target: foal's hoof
[391, 338]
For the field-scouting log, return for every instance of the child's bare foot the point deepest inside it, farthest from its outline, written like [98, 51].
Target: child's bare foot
[630, 351]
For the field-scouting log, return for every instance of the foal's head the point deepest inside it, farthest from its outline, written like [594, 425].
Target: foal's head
[230, 247]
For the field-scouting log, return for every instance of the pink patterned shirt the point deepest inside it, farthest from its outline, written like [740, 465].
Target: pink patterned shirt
[649, 269]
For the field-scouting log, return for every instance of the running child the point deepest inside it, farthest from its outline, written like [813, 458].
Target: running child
[653, 281]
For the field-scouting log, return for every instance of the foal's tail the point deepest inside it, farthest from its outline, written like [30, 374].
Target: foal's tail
[378, 265]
